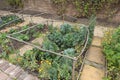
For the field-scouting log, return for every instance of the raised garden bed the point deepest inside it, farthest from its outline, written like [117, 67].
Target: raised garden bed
[61, 54]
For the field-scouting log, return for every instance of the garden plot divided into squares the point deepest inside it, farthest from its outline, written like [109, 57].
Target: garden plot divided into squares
[53, 49]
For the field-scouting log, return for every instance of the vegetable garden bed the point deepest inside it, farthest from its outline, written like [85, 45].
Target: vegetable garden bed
[111, 49]
[61, 52]
[9, 20]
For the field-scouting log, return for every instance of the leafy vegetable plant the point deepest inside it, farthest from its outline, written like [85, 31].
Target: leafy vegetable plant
[9, 19]
[111, 49]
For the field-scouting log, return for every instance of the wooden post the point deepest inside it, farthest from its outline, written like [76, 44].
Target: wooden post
[73, 70]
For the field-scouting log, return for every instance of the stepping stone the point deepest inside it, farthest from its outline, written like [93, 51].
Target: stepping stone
[24, 49]
[15, 72]
[96, 41]
[22, 76]
[91, 73]
[99, 31]
[4, 67]
[10, 78]
[3, 76]
[10, 69]
[95, 54]
[30, 77]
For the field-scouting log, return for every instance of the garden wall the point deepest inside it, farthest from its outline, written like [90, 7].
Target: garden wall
[40, 5]
[47, 6]
[3, 4]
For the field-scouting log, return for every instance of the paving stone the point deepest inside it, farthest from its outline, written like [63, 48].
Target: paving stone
[29, 77]
[91, 73]
[97, 41]
[1, 61]
[3, 76]
[95, 54]
[36, 78]
[9, 78]
[10, 69]
[18, 73]
[94, 64]
[22, 76]
[4, 67]
[99, 31]
[15, 71]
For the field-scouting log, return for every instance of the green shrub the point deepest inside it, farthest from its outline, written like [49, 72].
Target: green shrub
[84, 7]
[111, 49]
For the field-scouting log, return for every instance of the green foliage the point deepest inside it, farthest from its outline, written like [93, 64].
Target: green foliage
[40, 26]
[67, 36]
[84, 7]
[28, 34]
[29, 61]
[15, 3]
[60, 5]
[5, 46]
[92, 23]
[65, 28]
[23, 37]
[9, 19]
[62, 40]
[111, 49]
[69, 52]
[48, 45]
[68, 40]
[56, 37]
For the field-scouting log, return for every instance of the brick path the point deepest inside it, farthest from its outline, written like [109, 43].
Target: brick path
[9, 71]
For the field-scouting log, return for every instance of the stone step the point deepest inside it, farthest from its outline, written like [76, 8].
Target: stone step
[94, 67]
[95, 54]
[92, 73]
[99, 31]
[94, 64]
[97, 41]
[3, 76]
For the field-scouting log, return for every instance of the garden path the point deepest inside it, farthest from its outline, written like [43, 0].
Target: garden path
[9, 71]
[94, 68]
